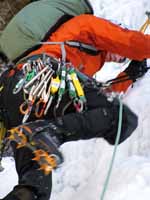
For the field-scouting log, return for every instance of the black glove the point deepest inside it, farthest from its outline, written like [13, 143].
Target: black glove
[136, 69]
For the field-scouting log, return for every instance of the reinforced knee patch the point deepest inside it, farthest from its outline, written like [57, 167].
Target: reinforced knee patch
[100, 122]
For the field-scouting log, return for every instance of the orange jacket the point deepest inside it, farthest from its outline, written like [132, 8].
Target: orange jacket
[102, 34]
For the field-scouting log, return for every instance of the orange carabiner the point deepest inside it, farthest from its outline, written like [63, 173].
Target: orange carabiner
[40, 107]
[24, 108]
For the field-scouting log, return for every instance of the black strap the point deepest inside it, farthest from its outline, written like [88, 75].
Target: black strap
[83, 47]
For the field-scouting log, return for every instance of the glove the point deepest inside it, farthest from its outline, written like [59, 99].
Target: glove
[136, 69]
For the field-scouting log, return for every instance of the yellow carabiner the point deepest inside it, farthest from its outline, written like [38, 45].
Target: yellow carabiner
[55, 85]
[77, 84]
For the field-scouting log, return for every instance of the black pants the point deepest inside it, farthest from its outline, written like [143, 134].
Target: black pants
[33, 184]
[100, 119]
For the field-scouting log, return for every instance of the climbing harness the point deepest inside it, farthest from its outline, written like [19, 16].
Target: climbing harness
[47, 78]
[75, 44]
[47, 83]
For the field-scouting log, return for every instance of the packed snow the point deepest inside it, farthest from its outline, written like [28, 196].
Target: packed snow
[84, 171]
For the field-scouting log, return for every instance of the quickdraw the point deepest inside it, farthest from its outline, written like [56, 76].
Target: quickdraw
[62, 85]
[77, 84]
[55, 83]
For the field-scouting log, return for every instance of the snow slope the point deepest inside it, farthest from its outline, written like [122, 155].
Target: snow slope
[83, 173]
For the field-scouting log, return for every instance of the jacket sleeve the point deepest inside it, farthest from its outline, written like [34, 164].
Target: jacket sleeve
[105, 35]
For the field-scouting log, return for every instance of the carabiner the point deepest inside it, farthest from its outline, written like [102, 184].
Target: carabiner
[40, 107]
[24, 107]
[78, 104]
[29, 109]
[19, 86]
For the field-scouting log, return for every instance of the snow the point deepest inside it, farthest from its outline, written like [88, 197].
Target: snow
[84, 171]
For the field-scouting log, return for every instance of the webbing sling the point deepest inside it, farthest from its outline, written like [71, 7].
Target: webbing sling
[76, 44]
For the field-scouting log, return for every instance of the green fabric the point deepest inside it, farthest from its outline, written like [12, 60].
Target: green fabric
[31, 24]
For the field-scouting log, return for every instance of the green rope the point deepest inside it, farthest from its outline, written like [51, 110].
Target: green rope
[115, 149]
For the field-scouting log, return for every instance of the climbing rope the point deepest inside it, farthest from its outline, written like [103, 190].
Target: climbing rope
[115, 149]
